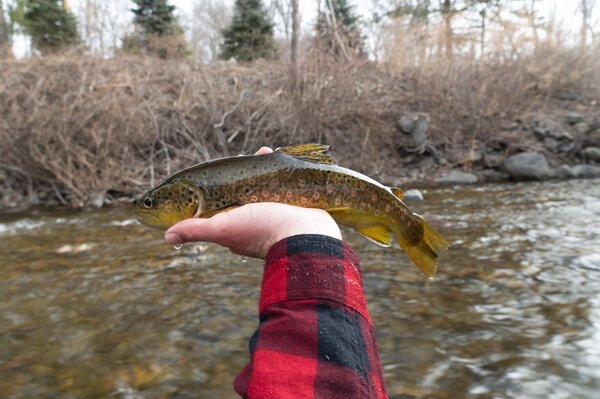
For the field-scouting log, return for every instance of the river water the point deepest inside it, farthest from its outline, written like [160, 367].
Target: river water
[94, 305]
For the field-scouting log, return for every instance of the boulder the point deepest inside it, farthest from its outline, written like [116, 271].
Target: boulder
[461, 157]
[493, 161]
[560, 134]
[563, 172]
[591, 154]
[540, 133]
[593, 137]
[413, 195]
[493, 175]
[543, 126]
[97, 199]
[582, 127]
[568, 95]
[586, 171]
[419, 133]
[458, 177]
[406, 124]
[551, 144]
[527, 166]
[574, 117]
[556, 132]
[567, 147]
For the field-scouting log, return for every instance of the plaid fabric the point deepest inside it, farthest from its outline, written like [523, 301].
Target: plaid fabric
[315, 338]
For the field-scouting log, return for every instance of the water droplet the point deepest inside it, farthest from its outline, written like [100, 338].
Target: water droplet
[243, 258]
[177, 246]
[430, 278]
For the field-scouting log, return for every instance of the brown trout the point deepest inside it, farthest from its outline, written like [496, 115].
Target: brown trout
[303, 175]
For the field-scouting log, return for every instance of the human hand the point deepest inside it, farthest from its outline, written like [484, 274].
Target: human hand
[252, 229]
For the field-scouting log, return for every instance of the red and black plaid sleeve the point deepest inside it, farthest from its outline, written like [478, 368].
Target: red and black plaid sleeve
[315, 338]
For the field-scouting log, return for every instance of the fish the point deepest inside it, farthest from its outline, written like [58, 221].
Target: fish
[302, 175]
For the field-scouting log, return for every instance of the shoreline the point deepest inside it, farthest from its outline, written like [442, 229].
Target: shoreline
[413, 187]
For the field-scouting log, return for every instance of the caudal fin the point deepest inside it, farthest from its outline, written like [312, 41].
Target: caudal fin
[424, 254]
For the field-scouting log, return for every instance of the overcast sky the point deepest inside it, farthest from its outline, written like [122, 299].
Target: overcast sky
[566, 12]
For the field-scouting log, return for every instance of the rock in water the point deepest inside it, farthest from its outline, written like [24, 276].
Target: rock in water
[458, 177]
[493, 175]
[527, 166]
[97, 199]
[413, 195]
[586, 171]
[563, 172]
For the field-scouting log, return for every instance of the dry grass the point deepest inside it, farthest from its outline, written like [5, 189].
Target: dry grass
[72, 127]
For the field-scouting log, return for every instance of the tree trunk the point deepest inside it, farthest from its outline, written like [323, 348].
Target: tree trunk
[447, 17]
[4, 41]
[482, 35]
[532, 14]
[295, 34]
[585, 16]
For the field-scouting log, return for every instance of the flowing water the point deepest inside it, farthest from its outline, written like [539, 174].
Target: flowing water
[94, 305]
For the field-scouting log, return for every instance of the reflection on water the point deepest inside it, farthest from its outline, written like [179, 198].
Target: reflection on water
[94, 305]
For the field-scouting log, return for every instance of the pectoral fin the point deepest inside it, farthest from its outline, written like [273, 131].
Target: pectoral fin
[213, 212]
[338, 211]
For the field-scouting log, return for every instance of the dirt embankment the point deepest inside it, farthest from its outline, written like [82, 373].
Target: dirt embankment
[83, 130]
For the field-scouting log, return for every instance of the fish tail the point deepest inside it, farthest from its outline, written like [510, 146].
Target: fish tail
[424, 254]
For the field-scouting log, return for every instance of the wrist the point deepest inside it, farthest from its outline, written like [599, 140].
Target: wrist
[312, 222]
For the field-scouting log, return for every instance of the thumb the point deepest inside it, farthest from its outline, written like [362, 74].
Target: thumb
[192, 230]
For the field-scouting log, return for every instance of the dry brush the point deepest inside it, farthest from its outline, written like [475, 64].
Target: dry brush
[73, 128]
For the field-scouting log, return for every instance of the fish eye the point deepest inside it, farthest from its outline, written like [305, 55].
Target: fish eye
[148, 202]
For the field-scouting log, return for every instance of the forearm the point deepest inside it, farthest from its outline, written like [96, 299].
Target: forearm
[315, 337]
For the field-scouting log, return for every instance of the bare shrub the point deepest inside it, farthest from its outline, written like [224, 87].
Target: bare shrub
[73, 127]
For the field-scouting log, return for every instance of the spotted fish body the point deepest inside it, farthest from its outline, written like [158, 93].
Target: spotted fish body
[299, 175]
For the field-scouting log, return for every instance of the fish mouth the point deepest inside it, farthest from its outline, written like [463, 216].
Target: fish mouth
[147, 219]
[198, 210]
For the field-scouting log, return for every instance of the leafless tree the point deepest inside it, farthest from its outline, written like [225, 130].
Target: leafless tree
[295, 34]
[585, 7]
[282, 10]
[4, 40]
[102, 24]
[210, 17]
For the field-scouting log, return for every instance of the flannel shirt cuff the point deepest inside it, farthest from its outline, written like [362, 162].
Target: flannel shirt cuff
[313, 266]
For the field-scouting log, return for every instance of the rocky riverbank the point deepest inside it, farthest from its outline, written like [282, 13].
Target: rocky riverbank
[533, 146]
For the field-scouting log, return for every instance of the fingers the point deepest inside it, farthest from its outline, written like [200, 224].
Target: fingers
[264, 150]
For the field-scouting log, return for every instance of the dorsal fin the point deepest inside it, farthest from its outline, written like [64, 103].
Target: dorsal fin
[316, 153]
[398, 192]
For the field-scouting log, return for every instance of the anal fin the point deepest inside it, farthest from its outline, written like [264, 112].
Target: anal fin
[377, 234]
